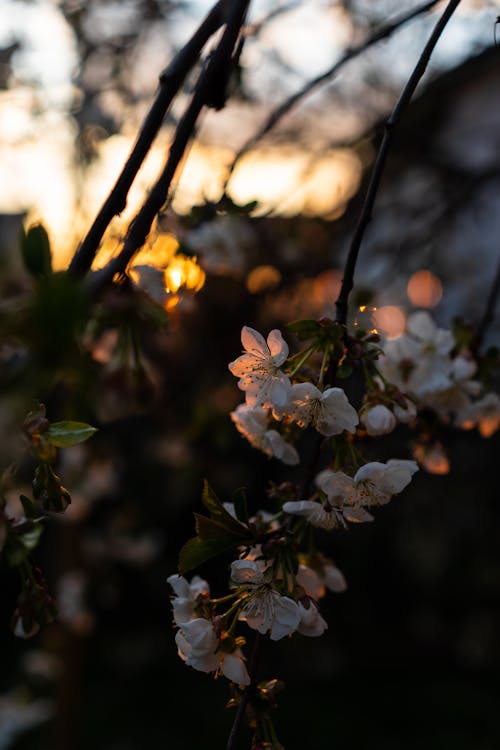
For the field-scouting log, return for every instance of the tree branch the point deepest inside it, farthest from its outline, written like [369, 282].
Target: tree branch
[170, 82]
[240, 713]
[207, 91]
[489, 311]
[281, 110]
[373, 186]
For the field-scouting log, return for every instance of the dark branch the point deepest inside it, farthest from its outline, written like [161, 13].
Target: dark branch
[371, 193]
[489, 311]
[170, 82]
[207, 90]
[240, 713]
[281, 110]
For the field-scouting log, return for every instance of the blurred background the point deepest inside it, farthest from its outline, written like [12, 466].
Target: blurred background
[412, 652]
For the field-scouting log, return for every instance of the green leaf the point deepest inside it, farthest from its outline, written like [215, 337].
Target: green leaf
[19, 546]
[304, 329]
[28, 506]
[66, 434]
[35, 248]
[212, 540]
[240, 504]
[219, 513]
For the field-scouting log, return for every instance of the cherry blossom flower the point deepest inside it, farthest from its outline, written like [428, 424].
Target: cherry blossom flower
[373, 484]
[264, 609]
[258, 368]
[199, 646]
[329, 411]
[252, 422]
[418, 361]
[314, 581]
[311, 622]
[378, 420]
[187, 596]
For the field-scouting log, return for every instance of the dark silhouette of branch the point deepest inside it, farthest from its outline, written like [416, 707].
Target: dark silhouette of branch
[209, 90]
[489, 311]
[373, 186]
[281, 110]
[240, 713]
[170, 82]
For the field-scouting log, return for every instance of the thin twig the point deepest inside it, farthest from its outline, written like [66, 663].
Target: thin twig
[245, 696]
[207, 89]
[489, 312]
[371, 193]
[281, 110]
[170, 82]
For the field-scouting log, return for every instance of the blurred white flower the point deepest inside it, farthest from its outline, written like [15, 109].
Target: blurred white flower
[311, 622]
[378, 420]
[252, 422]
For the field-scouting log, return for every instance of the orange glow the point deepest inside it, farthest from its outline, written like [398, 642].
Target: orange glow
[488, 425]
[390, 320]
[184, 272]
[432, 458]
[424, 289]
[159, 253]
[262, 278]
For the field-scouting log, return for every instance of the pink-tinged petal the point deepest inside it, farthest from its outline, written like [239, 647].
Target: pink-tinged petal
[233, 667]
[357, 515]
[337, 486]
[244, 364]
[286, 617]
[311, 623]
[246, 571]
[334, 579]
[379, 420]
[373, 471]
[310, 582]
[300, 507]
[279, 448]
[279, 391]
[179, 585]
[277, 347]
[254, 342]
[398, 475]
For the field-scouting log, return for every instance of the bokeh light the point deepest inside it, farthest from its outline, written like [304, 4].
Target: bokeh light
[424, 289]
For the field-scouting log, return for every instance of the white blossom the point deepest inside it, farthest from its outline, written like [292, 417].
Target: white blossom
[347, 497]
[265, 610]
[184, 603]
[311, 622]
[315, 580]
[199, 646]
[329, 411]
[252, 422]
[378, 420]
[258, 368]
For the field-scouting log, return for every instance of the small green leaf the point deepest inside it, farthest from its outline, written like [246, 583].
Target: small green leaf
[219, 513]
[66, 434]
[35, 248]
[28, 506]
[240, 505]
[304, 329]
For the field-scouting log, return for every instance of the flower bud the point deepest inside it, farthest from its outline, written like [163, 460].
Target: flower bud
[378, 420]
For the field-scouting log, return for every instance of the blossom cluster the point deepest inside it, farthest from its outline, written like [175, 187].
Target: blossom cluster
[271, 396]
[280, 573]
[428, 366]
